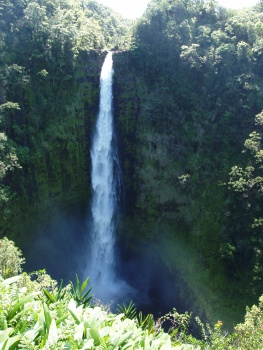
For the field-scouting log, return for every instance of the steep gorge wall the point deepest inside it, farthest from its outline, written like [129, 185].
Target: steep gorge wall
[173, 222]
[55, 175]
[175, 204]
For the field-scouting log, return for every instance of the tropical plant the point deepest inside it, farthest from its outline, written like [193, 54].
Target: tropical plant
[28, 322]
[130, 312]
[79, 292]
[177, 325]
[127, 311]
[246, 335]
[55, 295]
[246, 185]
[146, 322]
[10, 258]
[31, 318]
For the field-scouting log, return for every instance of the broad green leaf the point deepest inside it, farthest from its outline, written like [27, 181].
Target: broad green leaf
[96, 336]
[49, 295]
[74, 316]
[145, 342]
[84, 285]
[5, 334]
[53, 333]
[23, 326]
[89, 344]
[77, 283]
[32, 333]
[19, 304]
[60, 295]
[122, 339]
[47, 316]
[61, 319]
[11, 343]
[72, 305]
[41, 323]
[129, 346]
[79, 330]
[110, 347]
[10, 280]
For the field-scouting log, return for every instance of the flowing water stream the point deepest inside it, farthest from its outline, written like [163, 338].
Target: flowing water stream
[104, 184]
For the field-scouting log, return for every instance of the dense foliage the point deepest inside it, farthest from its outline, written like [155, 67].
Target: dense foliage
[39, 314]
[198, 70]
[188, 85]
[36, 313]
[29, 322]
[49, 72]
[10, 258]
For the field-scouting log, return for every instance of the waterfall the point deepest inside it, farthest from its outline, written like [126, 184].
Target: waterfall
[103, 206]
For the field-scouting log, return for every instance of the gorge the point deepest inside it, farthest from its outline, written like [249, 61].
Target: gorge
[187, 86]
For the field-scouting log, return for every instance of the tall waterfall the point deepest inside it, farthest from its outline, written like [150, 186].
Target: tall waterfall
[104, 188]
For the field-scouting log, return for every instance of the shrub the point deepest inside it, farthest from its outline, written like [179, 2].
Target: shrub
[10, 258]
[28, 322]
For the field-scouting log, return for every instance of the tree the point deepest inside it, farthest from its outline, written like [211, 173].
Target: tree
[8, 158]
[10, 258]
[247, 182]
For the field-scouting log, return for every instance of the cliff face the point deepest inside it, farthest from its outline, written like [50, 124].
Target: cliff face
[158, 215]
[198, 89]
[127, 106]
[55, 174]
[173, 224]
[47, 218]
[176, 202]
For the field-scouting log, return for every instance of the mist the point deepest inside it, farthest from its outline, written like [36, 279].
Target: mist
[63, 248]
[58, 246]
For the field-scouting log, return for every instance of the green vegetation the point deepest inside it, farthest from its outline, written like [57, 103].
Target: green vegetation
[51, 53]
[10, 258]
[187, 87]
[39, 314]
[196, 88]
[28, 322]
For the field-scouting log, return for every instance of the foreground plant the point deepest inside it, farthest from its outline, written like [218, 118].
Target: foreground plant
[31, 318]
[79, 292]
[37, 313]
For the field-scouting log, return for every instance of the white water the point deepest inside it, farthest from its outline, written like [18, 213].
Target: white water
[103, 204]
[102, 269]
